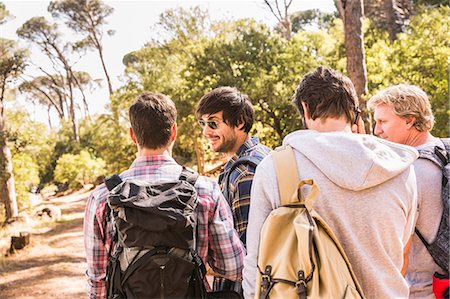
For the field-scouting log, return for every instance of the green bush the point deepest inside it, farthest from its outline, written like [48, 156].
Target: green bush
[78, 170]
[26, 176]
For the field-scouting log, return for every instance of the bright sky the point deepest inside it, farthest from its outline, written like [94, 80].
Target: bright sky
[133, 22]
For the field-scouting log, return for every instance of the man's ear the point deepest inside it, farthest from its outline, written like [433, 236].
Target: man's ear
[306, 113]
[133, 137]
[241, 123]
[173, 136]
[174, 132]
[410, 121]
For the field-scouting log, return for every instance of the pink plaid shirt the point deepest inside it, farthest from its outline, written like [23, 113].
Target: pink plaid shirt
[217, 242]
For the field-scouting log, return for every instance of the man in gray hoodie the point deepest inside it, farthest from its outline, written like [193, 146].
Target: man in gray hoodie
[368, 190]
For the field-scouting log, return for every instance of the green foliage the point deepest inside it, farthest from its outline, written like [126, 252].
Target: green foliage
[310, 18]
[79, 170]
[4, 13]
[420, 57]
[31, 139]
[12, 62]
[26, 176]
[103, 137]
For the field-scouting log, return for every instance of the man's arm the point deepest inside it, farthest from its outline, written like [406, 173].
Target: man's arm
[226, 256]
[97, 244]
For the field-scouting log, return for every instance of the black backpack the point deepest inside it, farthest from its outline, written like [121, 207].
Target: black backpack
[155, 229]
[439, 249]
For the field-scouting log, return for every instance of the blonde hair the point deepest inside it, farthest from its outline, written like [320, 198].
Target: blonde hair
[406, 101]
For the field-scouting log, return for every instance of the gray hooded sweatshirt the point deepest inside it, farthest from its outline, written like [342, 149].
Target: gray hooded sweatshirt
[368, 197]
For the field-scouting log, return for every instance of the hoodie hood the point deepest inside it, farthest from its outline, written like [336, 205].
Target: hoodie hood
[352, 161]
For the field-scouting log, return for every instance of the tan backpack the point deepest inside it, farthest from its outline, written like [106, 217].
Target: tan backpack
[299, 256]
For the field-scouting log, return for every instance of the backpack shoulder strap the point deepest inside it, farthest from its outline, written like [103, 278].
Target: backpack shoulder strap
[439, 156]
[112, 181]
[189, 175]
[289, 184]
[287, 174]
[246, 160]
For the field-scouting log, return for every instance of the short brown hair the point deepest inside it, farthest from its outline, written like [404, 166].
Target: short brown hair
[328, 94]
[152, 117]
[407, 101]
[235, 105]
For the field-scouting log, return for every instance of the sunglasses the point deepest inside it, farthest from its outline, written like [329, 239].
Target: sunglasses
[212, 124]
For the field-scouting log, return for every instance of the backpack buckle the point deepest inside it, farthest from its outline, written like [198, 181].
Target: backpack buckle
[301, 284]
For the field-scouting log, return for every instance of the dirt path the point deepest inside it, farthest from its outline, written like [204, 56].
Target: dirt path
[53, 265]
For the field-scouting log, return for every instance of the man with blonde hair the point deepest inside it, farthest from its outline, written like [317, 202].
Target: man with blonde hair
[403, 115]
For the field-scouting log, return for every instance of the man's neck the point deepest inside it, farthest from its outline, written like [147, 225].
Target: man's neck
[239, 142]
[417, 138]
[145, 152]
[331, 125]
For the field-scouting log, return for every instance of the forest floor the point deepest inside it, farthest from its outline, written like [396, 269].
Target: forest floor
[53, 264]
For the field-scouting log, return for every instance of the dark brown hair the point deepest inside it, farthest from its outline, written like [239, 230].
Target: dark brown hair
[327, 94]
[152, 117]
[236, 106]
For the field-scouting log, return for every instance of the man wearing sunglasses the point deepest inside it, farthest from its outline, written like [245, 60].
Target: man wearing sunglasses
[226, 117]
[154, 130]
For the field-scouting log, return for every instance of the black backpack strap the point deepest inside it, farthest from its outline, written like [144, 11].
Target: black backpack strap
[189, 175]
[112, 181]
[440, 156]
[252, 161]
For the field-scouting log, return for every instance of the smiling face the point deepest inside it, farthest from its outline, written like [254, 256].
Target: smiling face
[390, 126]
[224, 138]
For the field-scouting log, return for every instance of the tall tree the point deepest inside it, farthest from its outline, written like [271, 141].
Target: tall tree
[46, 36]
[12, 63]
[86, 17]
[392, 15]
[351, 13]
[51, 92]
[282, 15]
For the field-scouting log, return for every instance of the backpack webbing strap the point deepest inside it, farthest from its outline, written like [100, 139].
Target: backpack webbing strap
[287, 174]
[252, 161]
[289, 184]
[188, 175]
[112, 181]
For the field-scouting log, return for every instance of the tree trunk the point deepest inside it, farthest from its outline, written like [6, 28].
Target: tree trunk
[393, 18]
[354, 45]
[108, 80]
[200, 155]
[7, 188]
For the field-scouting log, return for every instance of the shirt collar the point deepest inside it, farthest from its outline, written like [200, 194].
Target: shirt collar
[152, 160]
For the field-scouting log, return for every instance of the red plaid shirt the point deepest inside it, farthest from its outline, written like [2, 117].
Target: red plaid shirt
[217, 242]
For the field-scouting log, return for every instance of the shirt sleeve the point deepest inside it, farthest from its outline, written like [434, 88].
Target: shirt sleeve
[264, 194]
[97, 243]
[226, 252]
[240, 205]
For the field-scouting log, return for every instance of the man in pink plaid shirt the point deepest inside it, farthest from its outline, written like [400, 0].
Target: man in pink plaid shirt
[153, 130]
